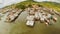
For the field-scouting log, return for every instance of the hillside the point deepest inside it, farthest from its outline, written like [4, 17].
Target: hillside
[23, 4]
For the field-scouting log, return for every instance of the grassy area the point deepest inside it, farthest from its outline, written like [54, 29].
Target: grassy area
[53, 5]
[23, 4]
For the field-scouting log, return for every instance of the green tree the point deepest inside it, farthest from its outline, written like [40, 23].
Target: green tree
[30, 0]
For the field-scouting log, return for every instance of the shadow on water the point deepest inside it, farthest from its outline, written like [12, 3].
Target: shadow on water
[39, 28]
[16, 17]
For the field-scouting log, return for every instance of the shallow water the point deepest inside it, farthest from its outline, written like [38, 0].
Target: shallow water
[20, 27]
[4, 27]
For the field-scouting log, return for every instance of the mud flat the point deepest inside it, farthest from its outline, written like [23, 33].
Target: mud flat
[39, 28]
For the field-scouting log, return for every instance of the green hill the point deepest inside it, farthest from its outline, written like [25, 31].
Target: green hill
[23, 4]
[53, 5]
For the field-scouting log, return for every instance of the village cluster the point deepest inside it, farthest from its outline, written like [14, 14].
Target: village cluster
[13, 14]
[38, 13]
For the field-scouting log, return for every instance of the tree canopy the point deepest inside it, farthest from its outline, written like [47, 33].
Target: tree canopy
[30, 0]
